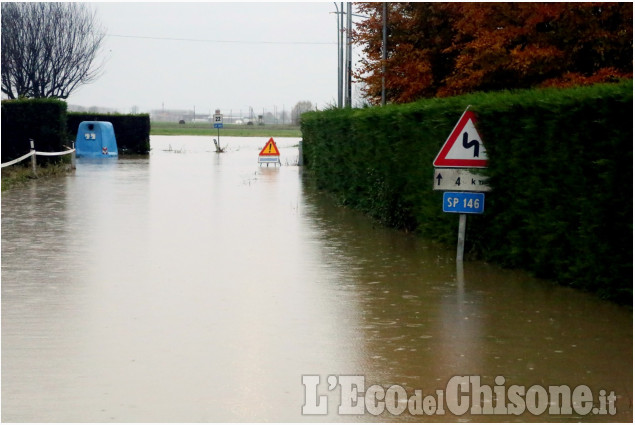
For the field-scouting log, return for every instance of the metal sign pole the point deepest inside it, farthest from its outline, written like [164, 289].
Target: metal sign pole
[461, 242]
[218, 124]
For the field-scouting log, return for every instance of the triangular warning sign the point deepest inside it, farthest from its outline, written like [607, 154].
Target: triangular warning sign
[270, 148]
[464, 148]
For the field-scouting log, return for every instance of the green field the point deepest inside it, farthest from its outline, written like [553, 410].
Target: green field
[206, 129]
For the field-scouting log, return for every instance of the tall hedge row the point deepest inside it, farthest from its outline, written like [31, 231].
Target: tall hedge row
[560, 166]
[131, 131]
[47, 122]
[43, 120]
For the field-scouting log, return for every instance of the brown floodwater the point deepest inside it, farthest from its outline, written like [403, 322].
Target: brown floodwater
[191, 286]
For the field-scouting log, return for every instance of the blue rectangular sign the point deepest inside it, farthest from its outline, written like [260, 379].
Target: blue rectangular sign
[268, 158]
[464, 202]
[218, 125]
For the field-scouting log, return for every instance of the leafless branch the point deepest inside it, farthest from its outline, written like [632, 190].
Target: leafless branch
[48, 49]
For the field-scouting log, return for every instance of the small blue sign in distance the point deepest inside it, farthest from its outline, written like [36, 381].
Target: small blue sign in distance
[218, 125]
[464, 202]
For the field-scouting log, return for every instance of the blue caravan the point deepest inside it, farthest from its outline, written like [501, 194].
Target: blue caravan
[96, 139]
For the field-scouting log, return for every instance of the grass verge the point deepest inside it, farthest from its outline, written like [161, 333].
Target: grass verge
[19, 175]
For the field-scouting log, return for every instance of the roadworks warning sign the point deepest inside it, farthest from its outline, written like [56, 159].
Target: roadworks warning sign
[270, 149]
[269, 154]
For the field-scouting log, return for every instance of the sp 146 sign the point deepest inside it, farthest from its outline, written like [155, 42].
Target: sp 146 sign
[464, 202]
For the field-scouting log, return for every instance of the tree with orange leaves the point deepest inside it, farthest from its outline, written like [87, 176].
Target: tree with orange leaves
[442, 49]
[418, 34]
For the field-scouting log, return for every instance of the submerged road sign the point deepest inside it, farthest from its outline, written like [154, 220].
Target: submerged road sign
[269, 154]
[463, 202]
[270, 148]
[464, 147]
[462, 150]
[459, 179]
[218, 120]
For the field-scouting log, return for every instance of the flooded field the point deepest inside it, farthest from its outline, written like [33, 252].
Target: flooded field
[191, 286]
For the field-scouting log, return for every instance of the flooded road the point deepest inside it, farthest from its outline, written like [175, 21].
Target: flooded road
[190, 286]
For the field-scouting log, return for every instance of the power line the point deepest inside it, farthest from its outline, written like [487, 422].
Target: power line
[201, 40]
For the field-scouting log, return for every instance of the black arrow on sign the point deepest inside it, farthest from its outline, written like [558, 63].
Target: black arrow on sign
[473, 143]
[439, 177]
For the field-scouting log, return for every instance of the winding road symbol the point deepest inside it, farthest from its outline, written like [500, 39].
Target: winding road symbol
[464, 146]
[472, 143]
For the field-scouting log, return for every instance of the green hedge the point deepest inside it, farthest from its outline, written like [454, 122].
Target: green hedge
[560, 169]
[47, 122]
[43, 120]
[131, 131]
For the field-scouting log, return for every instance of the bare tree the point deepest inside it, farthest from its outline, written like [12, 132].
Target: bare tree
[299, 109]
[48, 49]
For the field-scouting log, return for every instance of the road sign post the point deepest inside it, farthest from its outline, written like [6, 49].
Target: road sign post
[460, 244]
[463, 149]
[218, 123]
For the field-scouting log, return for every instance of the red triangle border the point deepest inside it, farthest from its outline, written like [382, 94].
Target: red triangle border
[441, 159]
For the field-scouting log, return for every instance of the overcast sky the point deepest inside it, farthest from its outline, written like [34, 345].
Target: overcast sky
[214, 55]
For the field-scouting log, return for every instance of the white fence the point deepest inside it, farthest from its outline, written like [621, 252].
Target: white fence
[33, 153]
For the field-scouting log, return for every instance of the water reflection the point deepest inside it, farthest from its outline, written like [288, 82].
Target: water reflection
[426, 320]
[193, 286]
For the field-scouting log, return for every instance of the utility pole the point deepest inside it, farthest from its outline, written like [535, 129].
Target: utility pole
[342, 52]
[339, 57]
[383, 54]
[345, 70]
[349, 53]
[341, 67]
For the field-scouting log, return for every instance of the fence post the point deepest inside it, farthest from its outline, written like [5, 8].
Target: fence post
[73, 155]
[33, 160]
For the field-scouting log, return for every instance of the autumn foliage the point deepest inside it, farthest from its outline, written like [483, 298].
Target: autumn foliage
[443, 49]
